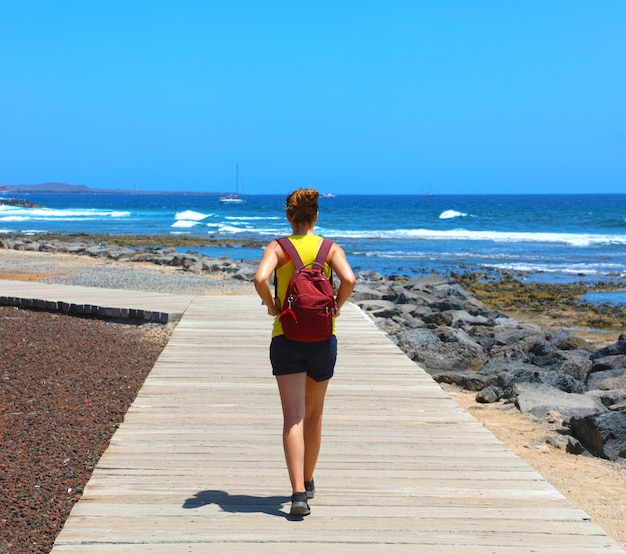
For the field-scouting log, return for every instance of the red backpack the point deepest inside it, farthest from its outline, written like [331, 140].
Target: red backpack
[307, 314]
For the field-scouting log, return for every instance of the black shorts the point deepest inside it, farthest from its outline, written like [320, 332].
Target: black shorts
[316, 359]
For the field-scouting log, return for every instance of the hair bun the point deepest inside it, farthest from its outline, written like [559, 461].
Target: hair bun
[302, 205]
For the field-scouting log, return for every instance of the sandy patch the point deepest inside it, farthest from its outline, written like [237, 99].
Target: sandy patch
[27, 276]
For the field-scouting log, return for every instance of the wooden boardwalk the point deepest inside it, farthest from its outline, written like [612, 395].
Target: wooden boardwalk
[197, 465]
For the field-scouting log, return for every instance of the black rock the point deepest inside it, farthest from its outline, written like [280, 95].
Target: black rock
[603, 434]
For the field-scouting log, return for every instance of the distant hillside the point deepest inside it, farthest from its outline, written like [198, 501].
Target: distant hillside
[83, 189]
[45, 187]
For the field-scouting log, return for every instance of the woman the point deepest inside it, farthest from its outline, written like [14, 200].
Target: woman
[302, 369]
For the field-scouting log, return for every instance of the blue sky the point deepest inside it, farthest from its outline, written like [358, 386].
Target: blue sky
[350, 97]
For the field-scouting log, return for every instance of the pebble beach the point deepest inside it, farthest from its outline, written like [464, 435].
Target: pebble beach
[32, 523]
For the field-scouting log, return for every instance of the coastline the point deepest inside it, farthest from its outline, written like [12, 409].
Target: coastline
[591, 483]
[551, 306]
[533, 234]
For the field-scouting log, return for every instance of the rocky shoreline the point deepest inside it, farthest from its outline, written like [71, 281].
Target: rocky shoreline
[460, 339]
[545, 372]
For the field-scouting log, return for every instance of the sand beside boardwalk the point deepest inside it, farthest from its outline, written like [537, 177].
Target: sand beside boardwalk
[594, 485]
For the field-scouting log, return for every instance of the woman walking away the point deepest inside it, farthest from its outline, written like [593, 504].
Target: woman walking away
[302, 369]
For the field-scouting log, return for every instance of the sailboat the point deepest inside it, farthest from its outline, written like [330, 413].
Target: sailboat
[233, 198]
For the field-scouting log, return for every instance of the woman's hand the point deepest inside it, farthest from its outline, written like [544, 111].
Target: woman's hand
[274, 309]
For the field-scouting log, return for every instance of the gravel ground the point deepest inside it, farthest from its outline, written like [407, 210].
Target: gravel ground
[67, 269]
[67, 383]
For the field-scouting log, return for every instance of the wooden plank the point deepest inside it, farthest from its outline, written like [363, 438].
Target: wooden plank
[197, 465]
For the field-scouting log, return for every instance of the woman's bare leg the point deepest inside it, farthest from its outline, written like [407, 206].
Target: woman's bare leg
[292, 390]
[315, 394]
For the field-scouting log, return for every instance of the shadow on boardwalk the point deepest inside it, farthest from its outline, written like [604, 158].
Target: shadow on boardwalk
[239, 503]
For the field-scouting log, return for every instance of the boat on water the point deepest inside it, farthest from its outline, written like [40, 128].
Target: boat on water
[233, 198]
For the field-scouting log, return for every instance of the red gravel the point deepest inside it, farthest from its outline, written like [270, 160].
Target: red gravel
[66, 384]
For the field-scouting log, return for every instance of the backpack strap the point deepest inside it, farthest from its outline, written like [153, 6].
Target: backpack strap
[322, 253]
[288, 247]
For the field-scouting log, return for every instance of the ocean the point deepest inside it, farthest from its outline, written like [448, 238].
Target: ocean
[550, 238]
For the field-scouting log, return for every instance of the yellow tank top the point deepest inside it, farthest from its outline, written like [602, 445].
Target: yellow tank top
[307, 246]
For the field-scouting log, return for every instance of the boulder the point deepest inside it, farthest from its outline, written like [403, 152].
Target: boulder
[245, 274]
[362, 292]
[410, 341]
[450, 356]
[390, 327]
[505, 373]
[377, 308]
[608, 362]
[97, 251]
[599, 379]
[577, 364]
[456, 335]
[612, 349]
[520, 350]
[429, 281]
[612, 399]
[506, 336]
[603, 434]
[539, 399]
[391, 311]
[451, 290]
[438, 319]
[541, 347]
[142, 256]
[562, 381]
[503, 366]
[574, 446]
[504, 322]
[370, 277]
[45, 247]
[489, 395]
[27, 246]
[451, 304]
[462, 318]
[416, 297]
[465, 379]
[613, 383]
[564, 340]
[76, 249]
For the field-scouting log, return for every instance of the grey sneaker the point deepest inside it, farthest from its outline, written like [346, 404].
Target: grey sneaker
[299, 504]
[310, 489]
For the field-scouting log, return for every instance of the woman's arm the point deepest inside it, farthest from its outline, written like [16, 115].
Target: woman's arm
[267, 265]
[339, 264]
